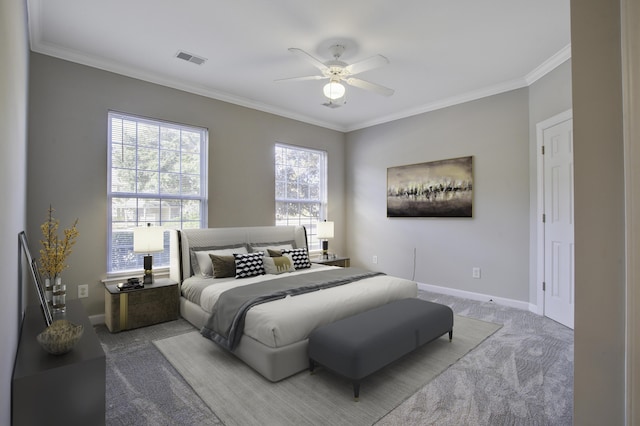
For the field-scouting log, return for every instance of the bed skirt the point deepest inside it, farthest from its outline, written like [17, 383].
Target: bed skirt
[273, 363]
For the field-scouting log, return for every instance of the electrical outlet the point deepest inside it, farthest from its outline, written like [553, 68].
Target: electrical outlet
[475, 272]
[374, 259]
[83, 291]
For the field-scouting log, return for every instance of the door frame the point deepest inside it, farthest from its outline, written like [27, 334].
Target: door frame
[540, 128]
[631, 108]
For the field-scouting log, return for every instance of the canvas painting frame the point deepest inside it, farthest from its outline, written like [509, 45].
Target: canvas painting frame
[35, 277]
[442, 188]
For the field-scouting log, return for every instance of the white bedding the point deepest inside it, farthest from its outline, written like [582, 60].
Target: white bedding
[289, 320]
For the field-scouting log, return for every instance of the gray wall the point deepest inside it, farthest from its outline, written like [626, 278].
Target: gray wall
[500, 132]
[495, 131]
[68, 148]
[13, 181]
[599, 389]
[548, 96]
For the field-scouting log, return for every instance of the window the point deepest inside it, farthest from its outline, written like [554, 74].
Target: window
[157, 175]
[301, 188]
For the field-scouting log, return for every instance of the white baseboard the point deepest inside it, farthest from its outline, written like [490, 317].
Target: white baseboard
[97, 319]
[479, 296]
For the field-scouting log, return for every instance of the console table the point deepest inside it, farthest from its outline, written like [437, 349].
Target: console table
[66, 389]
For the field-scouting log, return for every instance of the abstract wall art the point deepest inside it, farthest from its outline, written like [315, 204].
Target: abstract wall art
[441, 188]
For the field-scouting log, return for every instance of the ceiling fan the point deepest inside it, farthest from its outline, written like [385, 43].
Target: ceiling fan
[338, 72]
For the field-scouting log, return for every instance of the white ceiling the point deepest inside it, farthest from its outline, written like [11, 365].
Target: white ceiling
[441, 52]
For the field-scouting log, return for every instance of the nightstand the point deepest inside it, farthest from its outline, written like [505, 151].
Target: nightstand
[344, 262]
[157, 302]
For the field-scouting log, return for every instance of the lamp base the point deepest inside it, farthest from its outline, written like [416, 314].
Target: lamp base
[325, 249]
[148, 272]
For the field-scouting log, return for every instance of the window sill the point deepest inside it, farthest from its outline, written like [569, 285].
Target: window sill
[116, 277]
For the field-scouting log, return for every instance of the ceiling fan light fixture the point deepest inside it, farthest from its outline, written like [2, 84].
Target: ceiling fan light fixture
[333, 90]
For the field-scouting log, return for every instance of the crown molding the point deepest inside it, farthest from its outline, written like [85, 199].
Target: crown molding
[93, 62]
[540, 71]
[69, 55]
[447, 102]
[549, 65]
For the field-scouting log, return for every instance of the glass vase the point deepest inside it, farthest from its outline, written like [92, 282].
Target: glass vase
[48, 291]
[59, 296]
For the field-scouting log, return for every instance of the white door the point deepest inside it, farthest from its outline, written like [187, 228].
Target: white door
[558, 222]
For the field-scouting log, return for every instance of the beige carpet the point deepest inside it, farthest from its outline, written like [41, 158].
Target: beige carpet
[240, 396]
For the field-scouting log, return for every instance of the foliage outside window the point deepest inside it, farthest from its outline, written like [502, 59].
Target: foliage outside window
[301, 188]
[156, 175]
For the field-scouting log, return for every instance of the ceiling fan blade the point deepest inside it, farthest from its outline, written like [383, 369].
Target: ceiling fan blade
[304, 55]
[366, 85]
[305, 78]
[367, 64]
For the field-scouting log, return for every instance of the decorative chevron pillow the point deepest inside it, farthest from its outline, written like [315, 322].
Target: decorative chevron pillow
[249, 264]
[300, 258]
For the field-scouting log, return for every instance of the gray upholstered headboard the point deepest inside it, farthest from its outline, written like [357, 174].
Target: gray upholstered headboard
[184, 240]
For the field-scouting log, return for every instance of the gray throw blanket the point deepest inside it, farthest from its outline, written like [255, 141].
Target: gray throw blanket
[226, 324]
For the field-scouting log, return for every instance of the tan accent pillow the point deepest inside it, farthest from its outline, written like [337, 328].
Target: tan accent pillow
[223, 266]
[278, 265]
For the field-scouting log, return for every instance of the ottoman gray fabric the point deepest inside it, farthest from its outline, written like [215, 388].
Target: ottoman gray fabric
[364, 343]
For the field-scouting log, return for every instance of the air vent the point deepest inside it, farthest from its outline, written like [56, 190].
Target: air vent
[190, 58]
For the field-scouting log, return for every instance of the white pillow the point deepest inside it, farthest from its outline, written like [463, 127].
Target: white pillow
[204, 261]
[263, 247]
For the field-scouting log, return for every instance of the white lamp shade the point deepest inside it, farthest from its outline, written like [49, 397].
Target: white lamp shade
[325, 229]
[148, 239]
[333, 90]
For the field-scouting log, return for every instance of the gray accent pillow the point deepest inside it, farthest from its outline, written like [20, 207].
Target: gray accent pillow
[200, 263]
[274, 253]
[223, 266]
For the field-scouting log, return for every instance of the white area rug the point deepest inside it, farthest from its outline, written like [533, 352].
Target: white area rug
[240, 396]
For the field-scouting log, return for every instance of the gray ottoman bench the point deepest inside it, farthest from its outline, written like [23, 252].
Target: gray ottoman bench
[364, 343]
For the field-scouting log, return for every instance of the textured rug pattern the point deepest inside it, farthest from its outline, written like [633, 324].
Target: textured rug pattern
[240, 396]
[142, 388]
[522, 374]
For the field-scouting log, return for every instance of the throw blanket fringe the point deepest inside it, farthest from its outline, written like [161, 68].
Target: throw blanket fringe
[226, 324]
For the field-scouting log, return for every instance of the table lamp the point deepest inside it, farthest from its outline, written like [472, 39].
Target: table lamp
[325, 231]
[148, 239]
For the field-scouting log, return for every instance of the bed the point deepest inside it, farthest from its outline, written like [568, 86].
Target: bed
[274, 336]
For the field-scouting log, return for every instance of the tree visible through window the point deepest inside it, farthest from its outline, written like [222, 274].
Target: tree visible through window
[157, 175]
[301, 188]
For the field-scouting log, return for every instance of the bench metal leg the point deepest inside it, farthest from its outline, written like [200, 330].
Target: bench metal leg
[356, 391]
